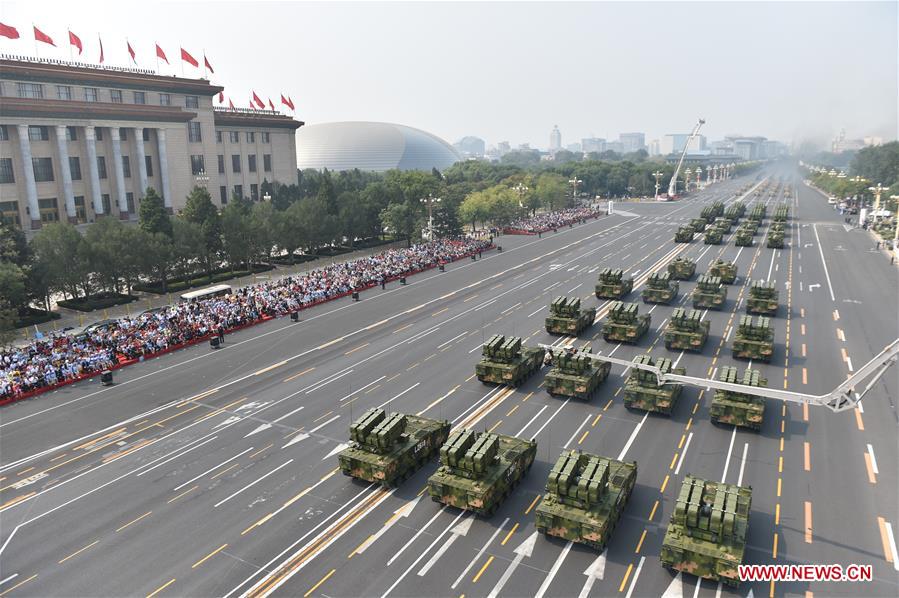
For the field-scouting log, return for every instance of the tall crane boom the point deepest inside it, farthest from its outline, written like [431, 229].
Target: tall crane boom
[672, 186]
[843, 397]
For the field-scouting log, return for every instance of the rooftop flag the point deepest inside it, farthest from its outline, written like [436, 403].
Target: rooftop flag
[42, 37]
[10, 32]
[101, 48]
[161, 54]
[209, 66]
[186, 57]
[131, 51]
[258, 102]
[74, 40]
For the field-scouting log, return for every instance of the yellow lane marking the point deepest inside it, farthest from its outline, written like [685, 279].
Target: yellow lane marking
[664, 485]
[870, 467]
[779, 483]
[320, 582]
[807, 455]
[774, 547]
[120, 454]
[161, 588]
[57, 458]
[437, 313]
[224, 471]
[640, 543]
[413, 366]
[351, 351]
[99, 438]
[269, 368]
[836, 315]
[372, 388]
[858, 420]
[265, 448]
[509, 535]
[495, 426]
[805, 412]
[431, 356]
[803, 349]
[885, 539]
[673, 461]
[77, 552]
[777, 514]
[21, 583]
[171, 500]
[208, 556]
[808, 522]
[469, 299]
[295, 376]
[804, 376]
[395, 376]
[401, 328]
[780, 464]
[322, 417]
[511, 411]
[802, 329]
[681, 443]
[627, 574]
[133, 521]
[781, 444]
[584, 435]
[595, 421]
[17, 499]
[528, 396]
[689, 423]
[653, 512]
[481, 572]
[536, 498]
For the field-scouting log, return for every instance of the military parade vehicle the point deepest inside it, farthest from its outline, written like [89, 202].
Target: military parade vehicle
[775, 239]
[734, 211]
[706, 535]
[612, 284]
[390, 448]
[743, 237]
[698, 224]
[624, 324]
[781, 213]
[682, 268]
[478, 471]
[718, 209]
[709, 293]
[506, 361]
[738, 408]
[754, 339]
[722, 223]
[752, 226]
[758, 212]
[762, 298]
[643, 391]
[585, 497]
[707, 214]
[684, 234]
[726, 271]
[713, 236]
[686, 330]
[660, 288]
[575, 373]
[567, 317]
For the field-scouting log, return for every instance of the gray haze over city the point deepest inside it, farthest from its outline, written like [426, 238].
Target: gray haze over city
[511, 71]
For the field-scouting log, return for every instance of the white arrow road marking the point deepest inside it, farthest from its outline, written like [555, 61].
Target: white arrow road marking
[296, 439]
[306, 435]
[597, 570]
[480, 553]
[229, 421]
[418, 533]
[459, 530]
[253, 483]
[555, 569]
[336, 450]
[750, 594]
[676, 587]
[525, 549]
[813, 286]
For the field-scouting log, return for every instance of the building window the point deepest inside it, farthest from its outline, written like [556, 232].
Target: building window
[107, 205]
[101, 167]
[129, 199]
[126, 167]
[64, 92]
[238, 191]
[75, 168]
[38, 134]
[140, 97]
[234, 136]
[35, 91]
[235, 163]
[123, 134]
[191, 102]
[9, 213]
[146, 134]
[43, 169]
[6, 174]
[221, 164]
[4, 133]
[267, 162]
[148, 162]
[193, 132]
[165, 99]
[49, 211]
[99, 133]
[90, 94]
[251, 137]
[71, 134]
[80, 211]
[251, 162]
[218, 136]
[196, 165]
[266, 137]
[115, 96]
[254, 191]
[223, 194]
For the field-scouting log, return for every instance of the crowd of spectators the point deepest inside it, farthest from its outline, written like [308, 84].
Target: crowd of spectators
[550, 220]
[46, 362]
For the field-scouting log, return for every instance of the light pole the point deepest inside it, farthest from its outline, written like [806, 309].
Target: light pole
[521, 189]
[877, 191]
[574, 183]
[658, 175]
[896, 224]
[430, 201]
[202, 179]
[698, 176]
[267, 196]
[687, 174]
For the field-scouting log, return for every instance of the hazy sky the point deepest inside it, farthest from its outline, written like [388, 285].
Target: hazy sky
[510, 71]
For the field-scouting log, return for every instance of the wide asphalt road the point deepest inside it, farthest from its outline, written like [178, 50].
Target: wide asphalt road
[208, 473]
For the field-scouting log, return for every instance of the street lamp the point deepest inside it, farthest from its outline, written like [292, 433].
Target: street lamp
[202, 179]
[687, 174]
[877, 191]
[430, 201]
[896, 224]
[521, 189]
[574, 183]
[267, 196]
[658, 175]
[698, 176]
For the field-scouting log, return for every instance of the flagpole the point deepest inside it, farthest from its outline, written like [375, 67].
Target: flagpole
[204, 63]
[68, 29]
[36, 53]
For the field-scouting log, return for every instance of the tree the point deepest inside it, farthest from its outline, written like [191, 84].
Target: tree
[563, 156]
[446, 219]
[326, 194]
[552, 191]
[154, 217]
[188, 248]
[157, 259]
[200, 210]
[235, 222]
[261, 238]
[400, 219]
[352, 216]
[13, 299]
[878, 164]
[288, 230]
[475, 208]
[60, 256]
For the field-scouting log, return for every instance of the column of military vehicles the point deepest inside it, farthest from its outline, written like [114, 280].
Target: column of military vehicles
[586, 494]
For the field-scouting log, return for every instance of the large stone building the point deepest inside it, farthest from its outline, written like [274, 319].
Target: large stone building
[79, 142]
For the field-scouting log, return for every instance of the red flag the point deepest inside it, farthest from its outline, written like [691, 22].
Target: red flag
[209, 66]
[161, 54]
[258, 102]
[188, 58]
[75, 41]
[252, 104]
[101, 49]
[270, 105]
[284, 101]
[131, 51]
[230, 104]
[42, 37]
[10, 32]
[290, 101]
[221, 97]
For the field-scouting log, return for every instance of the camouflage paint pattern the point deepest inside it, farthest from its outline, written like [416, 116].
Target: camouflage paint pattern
[682, 268]
[506, 361]
[781, 212]
[698, 224]
[660, 288]
[624, 323]
[762, 299]
[642, 391]
[709, 293]
[713, 236]
[684, 234]
[740, 409]
[575, 374]
[775, 239]
[726, 271]
[612, 284]
[686, 330]
[754, 339]
[567, 317]
[743, 238]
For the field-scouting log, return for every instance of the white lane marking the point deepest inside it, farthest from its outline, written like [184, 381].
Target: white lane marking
[172, 458]
[459, 530]
[662, 324]
[770, 267]
[824, 262]
[892, 541]
[336, 449]
[304, 435]
[555, 284]
[487, 304]
[677, 361]
[597, 570]
[420, 335]
[358, 390]
[195, 478]
[576, 432]
[718, 589]
[537, 311]
[742, 464]
[873, 460]
[480, 553]
[11, 577]
[696, 589]
[441, 345]
[417, 534]
[479, 402]
[401, 513]
[551, 417]
[630, 440]
[266, 426]
[253, 483]
[328, 381]
[554, 570]
[683, 454]
[571, 290]
[478, 346]
[542, 409]
[730, 449]
[630, 589]
[508, 309]
[525, 549]
[387, 402]
[849, 363]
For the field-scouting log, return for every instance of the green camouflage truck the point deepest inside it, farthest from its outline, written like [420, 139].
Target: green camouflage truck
[762, 299]
[743, 237]
[707, 214]
[726, 271]
[722, 223]
[698, 224]
[738, 408]
[585, 497]
[775, 239]
[718, 209]
[706, 535]
[506, 361]
[713, 236]
[778, 225]
[754, 339]
[390, 448]
[612, 284]
[567, 317]
[709, 293]
[684, 234]
[624, 323]
[478, 471]
[575, 373]
[686, 330]
[781, 212]
[642, 390]
[682, 268]
[660, 288]
[758, 212]
[734, 211]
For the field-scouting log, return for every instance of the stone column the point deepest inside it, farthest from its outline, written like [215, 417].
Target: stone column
[66, 173]
[90, 138]
[118, 172]
[164, 169]
[34, 210]
[140, 157]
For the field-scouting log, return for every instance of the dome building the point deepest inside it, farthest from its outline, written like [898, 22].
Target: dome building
[371, 146]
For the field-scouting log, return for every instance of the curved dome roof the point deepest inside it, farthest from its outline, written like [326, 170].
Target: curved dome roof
[371, 146]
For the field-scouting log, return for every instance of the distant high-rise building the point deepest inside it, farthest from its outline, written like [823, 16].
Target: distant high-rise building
[470, 147]
[632, 142]
[593, 144]
[748, 148]
[674, 143]
[615, 146]
[573, 147]
[654, 147]
[555, 139]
